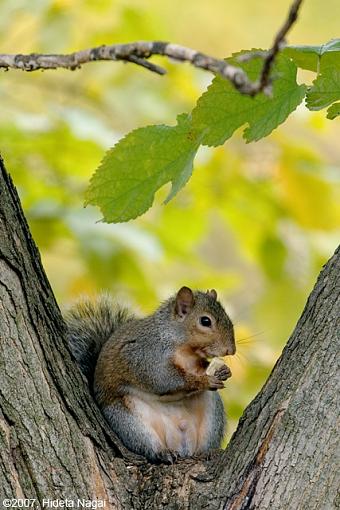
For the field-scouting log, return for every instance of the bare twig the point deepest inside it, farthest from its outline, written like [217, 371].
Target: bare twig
[136, 52]
[139, 52]
[279, 41]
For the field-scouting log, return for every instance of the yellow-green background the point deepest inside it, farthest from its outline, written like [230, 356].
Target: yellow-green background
[256, 221]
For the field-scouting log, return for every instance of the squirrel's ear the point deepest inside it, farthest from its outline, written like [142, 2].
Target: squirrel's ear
[184, 301]
[212, 293]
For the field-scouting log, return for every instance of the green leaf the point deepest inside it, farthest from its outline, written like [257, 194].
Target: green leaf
[305, 57]
[132, 171]
[333, 111]
[312, 57]
[324, 59]
[325, 89]
[222, 109]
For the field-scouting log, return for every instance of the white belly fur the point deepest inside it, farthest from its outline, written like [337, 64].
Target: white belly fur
[179, 425]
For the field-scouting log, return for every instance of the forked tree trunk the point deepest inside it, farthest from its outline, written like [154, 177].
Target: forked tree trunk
[54, 444]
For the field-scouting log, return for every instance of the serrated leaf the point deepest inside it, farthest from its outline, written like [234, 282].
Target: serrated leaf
[333, 111]
[222, 109]
[325, 89]
[132, 171]
[305, 57]
[313, 57]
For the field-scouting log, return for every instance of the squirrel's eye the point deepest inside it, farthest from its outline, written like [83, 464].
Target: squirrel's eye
[205, 321]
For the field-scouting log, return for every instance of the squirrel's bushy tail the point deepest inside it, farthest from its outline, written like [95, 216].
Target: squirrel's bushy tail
[90, 323]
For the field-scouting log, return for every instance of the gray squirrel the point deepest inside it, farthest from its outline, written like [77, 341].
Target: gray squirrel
[149, 375]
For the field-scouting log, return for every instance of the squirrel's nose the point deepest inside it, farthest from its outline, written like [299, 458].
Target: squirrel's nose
[231, 350]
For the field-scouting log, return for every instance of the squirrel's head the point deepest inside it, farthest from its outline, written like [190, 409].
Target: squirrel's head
[208, 327]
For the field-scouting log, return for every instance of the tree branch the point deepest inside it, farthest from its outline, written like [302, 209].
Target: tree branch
[279, 42]
[139, 52]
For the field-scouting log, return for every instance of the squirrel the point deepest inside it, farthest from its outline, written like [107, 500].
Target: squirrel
[149, 375]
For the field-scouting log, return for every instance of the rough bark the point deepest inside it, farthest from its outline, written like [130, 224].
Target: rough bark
[54, 444]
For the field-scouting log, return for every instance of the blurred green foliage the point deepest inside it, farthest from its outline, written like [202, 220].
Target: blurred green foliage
[256, 221]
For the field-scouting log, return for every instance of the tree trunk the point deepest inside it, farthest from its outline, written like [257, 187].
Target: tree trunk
[55, 445]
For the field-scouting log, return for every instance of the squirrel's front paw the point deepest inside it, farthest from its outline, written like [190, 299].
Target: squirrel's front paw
[223, 373]
[215, 383]
[219, 370]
